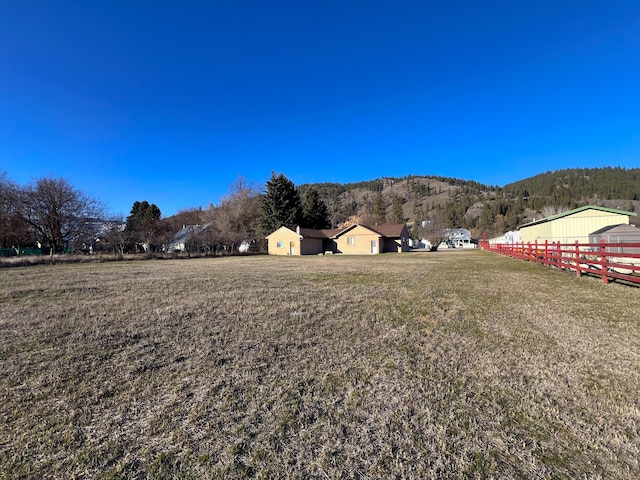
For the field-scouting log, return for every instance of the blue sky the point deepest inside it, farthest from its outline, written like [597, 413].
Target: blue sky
[170, 101]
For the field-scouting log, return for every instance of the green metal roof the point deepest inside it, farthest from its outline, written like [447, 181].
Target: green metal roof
[578, 210]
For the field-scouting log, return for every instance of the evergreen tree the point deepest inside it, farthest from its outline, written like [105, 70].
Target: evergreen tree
[379, 208]
[142, 214]
[397, 212]
[280, 205]
[486, 217]
[143, 223]
[315, 213]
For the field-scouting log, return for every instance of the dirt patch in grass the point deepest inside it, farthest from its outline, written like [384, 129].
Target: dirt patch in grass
[416, 365]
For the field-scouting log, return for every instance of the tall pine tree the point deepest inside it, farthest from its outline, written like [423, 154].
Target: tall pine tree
[280, 205]
[378, 210]
[397, 212]
[315, 213]
[143, 225]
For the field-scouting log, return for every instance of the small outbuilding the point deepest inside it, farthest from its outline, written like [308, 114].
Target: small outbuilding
[617, 234]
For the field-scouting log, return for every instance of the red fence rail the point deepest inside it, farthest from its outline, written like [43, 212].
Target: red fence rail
[610, 261]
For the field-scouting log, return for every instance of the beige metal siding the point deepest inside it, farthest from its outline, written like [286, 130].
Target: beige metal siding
[575, 227]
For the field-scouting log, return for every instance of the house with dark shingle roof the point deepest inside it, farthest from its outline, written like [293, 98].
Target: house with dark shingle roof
[354, 240]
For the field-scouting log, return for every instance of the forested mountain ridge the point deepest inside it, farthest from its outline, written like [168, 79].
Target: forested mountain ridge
[476, 206]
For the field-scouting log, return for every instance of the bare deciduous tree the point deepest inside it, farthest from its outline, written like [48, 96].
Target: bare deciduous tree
[14, 231]
[550, 210]
[115, 237]
[236, 219]
[433, 228]
[59, 214]
[185, 217]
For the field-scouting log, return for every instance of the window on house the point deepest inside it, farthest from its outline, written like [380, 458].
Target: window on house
[351, 240]
[279, 244]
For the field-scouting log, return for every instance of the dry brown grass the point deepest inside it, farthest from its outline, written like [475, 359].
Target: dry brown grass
[461, 364]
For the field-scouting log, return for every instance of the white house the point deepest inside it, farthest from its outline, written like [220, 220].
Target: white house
[187, 234]
[459, 238]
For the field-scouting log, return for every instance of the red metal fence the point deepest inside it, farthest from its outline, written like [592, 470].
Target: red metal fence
[610, 261]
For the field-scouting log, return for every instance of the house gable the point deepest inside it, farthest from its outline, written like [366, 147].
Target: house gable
[365, 239]
[282, 232]
[358, 240]
[284, 241]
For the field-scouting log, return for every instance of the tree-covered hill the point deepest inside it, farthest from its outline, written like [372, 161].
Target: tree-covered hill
[571, 186]
[413, 192]
[478, 207]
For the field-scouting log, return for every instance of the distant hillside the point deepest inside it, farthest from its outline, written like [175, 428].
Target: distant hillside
[416, 193]
[478, 207]
[573, 186]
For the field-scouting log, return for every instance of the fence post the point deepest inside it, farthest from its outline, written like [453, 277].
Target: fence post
[577, 259]
[603, 261]
[546, 253]
[534, 255]
[560, 253]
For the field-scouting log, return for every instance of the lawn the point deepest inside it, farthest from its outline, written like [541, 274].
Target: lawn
[429, 365]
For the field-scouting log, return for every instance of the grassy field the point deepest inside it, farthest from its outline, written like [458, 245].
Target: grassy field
[432, 365]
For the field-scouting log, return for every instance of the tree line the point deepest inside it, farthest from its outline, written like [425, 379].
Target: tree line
[50, 215]
[247, 214]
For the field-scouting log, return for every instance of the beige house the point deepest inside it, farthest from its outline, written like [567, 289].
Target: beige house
[574, 225]
[353, 240]
[302, 241]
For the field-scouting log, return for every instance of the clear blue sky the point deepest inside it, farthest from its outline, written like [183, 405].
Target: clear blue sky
[169, 101]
